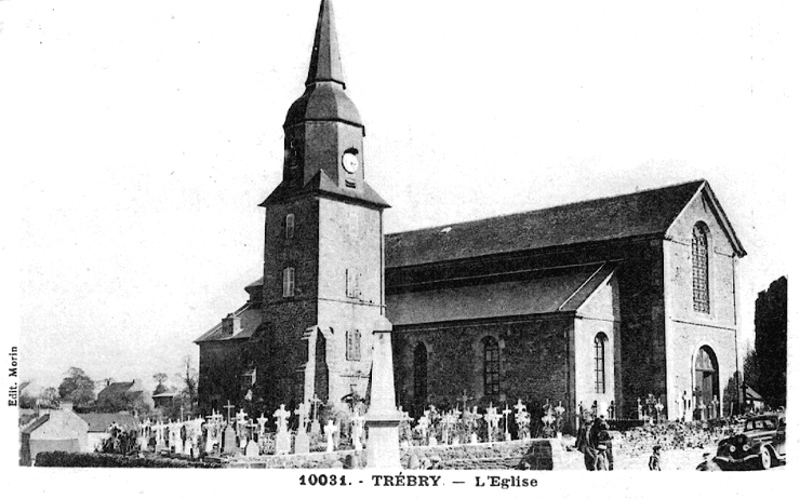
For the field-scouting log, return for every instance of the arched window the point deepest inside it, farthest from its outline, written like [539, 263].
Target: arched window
[491, 367]
[288, 282]
[289, 226]
[420, 377]
[600, 363]
[700, 269]
[353, 340]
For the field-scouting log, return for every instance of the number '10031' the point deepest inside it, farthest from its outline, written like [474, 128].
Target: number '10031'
[322, 480]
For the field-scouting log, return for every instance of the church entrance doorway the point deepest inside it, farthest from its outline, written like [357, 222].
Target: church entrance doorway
[706, 383]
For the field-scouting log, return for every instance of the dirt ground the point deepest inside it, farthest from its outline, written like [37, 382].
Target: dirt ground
[670, 460]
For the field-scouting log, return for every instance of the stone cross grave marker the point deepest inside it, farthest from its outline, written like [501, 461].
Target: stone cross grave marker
[281, 415]
[302, 417]
[229, 407]
[492, 419]
[506, 412]
[283, 440]
[330, 428]
[262, 425]
[464, 399]
[241, 416]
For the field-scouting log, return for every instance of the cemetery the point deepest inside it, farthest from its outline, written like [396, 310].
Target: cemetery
[463, 436]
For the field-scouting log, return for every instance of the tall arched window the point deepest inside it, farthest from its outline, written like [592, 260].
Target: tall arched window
[491, 367]
[700, 269]
[420, 377]
[600, 363]
[289, 225]
[288, 282]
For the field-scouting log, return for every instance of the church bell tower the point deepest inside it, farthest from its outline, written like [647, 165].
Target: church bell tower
[323, 257]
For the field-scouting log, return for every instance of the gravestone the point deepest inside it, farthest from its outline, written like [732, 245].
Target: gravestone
[330, 428]
[283, 439]
[229, 441]
[506, 412]
[432, 441]
[492, 419]
[358, 430]
[252, 449]
[302, 445]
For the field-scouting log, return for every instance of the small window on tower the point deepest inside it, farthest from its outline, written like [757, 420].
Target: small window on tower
[293, 152]
[289, 226]
[352, 289]
[288, 282]
[353, 350]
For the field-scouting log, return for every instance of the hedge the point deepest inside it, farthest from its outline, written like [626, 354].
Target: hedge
[60, 459]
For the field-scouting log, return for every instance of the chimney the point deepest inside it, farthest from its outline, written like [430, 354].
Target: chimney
[66, 406]
[231, 325]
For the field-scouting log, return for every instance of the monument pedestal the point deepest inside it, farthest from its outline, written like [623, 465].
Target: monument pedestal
[383, 441]
[383, 418]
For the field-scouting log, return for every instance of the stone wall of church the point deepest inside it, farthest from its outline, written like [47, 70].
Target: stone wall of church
[688, 330]
[533, 361]
[641, 361]
[289, 317]
[220, 368]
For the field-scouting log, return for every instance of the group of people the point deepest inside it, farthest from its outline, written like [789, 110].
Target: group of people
[594, 441]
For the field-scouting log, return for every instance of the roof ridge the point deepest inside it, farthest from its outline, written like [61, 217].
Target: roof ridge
[527, 212]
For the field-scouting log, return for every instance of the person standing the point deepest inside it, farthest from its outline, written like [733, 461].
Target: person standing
[584, 444]
[655, 459]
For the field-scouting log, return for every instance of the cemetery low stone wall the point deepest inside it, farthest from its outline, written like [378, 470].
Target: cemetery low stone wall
[539, 454]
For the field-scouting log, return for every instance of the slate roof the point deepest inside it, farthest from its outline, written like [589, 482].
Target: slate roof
[36, 424]
[321, 183]
[642, 213]
[250, 320]
[114, 389]
[546, 291]
[100, 422]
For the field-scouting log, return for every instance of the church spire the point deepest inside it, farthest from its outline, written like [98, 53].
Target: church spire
[326, 65]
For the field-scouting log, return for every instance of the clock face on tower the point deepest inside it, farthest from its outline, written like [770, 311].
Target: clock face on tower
[350, 162]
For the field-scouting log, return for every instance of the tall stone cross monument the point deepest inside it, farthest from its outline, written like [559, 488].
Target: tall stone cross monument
[383, 418]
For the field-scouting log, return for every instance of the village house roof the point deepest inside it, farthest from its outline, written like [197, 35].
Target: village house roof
[116, 389]
[101, 422]
[36, 424]
[643, 213]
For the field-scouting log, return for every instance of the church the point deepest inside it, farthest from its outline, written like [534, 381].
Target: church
[604, 302]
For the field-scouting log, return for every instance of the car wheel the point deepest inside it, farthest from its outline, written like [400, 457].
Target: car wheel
[765, 458]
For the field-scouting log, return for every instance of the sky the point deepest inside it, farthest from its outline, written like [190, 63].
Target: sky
[138, 138]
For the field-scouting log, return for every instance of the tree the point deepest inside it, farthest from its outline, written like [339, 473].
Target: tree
[751, 371]
[160, 378]
[49, 398]
[189, 378]
[77, 387]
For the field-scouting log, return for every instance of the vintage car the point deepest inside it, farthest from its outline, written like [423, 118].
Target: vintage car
[761, 445]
